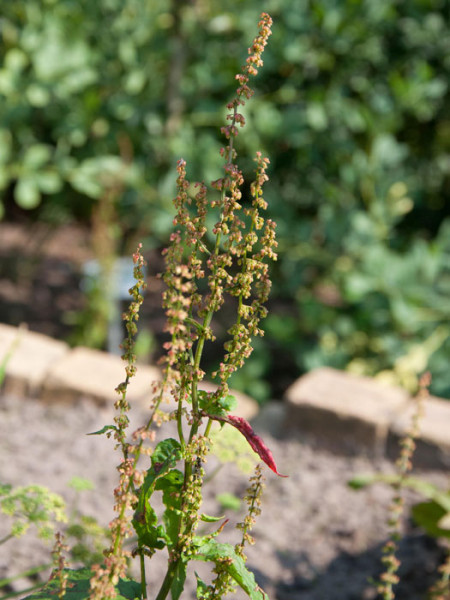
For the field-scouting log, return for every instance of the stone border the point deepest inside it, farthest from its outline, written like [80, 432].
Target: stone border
[339, 411]
[42, 368]
[350, 414]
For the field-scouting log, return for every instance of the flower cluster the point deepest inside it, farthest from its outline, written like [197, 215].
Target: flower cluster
[253, 499]
[253, 62]
[201, 270]
[195, 455]
[251, 284]
[236, 263]
[106, 577]
[59, 564]
[389, 577]
[184, 268]
[441, 589]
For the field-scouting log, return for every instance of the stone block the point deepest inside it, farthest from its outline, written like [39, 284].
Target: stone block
[343, 412]
[91, 374]
[30, 357]
[433, 444]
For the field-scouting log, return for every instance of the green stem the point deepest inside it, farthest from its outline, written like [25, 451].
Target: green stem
[208, 427]
[6, 538]
[28, 573]
[168, 579]
[180, 424]
[203, 328]
[22, 592]
[143, 577]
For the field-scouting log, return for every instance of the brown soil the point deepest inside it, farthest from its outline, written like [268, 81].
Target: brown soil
[316, 539]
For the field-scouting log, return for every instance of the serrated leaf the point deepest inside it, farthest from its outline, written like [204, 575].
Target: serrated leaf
[78, 587]
[225, 555]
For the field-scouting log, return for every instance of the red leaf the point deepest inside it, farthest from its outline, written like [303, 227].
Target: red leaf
[252, 438]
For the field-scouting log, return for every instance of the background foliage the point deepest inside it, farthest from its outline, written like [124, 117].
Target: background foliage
[99, 99]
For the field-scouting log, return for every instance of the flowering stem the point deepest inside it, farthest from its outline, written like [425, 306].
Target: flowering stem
[143, 577]
[180, 299]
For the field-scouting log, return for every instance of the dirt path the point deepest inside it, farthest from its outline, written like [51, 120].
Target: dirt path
[316, 538]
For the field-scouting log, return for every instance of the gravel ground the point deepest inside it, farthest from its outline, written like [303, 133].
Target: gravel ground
[316, 539]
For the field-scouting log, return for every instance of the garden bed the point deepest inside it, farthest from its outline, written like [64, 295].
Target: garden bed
[316, 540]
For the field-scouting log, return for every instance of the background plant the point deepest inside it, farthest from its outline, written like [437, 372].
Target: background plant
[354, 107]
[25, 507]
[432, 515]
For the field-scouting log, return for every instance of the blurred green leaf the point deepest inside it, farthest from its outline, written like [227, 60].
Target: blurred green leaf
[430, 515]
[36, 156]
[27, 193]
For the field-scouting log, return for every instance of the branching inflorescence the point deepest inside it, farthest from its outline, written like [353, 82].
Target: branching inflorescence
[202, 269]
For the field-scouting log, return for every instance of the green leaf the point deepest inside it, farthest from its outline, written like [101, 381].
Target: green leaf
[361, 481]
[419, 485]
[234, 565]
[171, 485]
[36, 156]
[149, 533]
[228, 403]
[430, 515]
[5, 145]
[78, 587]
[5, 489]
[37, 95]
[210, 519]
[80, 484]
[164, 458]
[49, 182]
[26, 193]
[178, 582]
[216, 406]
[103, 430]
[93, 175]
[229, 501]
